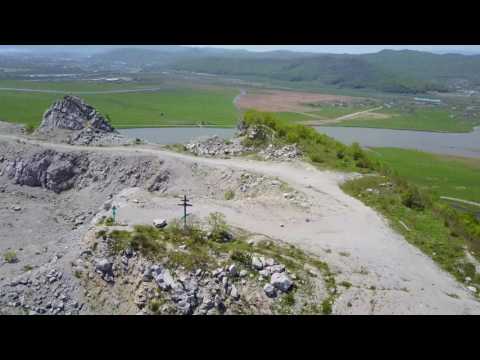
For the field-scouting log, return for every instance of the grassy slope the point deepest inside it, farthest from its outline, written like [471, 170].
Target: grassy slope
[427, 231]
[447, 176]
[181, 106]
[433, 226]
[420, 119]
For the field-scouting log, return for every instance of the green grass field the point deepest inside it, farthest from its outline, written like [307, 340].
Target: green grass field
[72, 86]
[332, 112]
[445, 175]
[179, 106]
[321, 113]
[419, 119]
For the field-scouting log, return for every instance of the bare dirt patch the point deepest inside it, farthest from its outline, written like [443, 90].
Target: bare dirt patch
[286, 101]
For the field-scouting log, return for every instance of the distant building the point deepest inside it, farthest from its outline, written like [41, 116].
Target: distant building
[433, 101]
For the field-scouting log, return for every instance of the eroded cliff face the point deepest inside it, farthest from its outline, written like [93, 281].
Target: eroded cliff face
[49, 169]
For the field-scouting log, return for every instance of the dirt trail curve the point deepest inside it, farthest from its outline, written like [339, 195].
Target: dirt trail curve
[388, 275]
[349, 116]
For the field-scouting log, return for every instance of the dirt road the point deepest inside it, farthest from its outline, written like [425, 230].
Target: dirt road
[388, 275]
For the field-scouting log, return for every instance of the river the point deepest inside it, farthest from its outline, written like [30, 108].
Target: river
[458, 144]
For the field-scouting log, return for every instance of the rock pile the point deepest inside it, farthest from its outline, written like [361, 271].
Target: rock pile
[284, 153]
[216, 147]
[163, 288]
[269, 269]
[43, 291]
[95, 137]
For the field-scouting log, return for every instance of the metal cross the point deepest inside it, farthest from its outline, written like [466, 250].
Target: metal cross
[185, 203]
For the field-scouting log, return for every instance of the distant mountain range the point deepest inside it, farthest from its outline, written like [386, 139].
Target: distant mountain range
[403, 71]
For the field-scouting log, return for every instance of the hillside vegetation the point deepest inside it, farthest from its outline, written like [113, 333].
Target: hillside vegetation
[443, 175]
[436, 228]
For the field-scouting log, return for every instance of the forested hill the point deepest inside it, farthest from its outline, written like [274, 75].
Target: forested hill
[390, 71]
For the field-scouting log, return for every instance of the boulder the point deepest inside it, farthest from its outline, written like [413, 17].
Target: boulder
[257, 264]
[104, 266]
[276, 269]
[234, 293]
[269, 290]
[159, 223]
[165, 280]
[281, 281]
[232, 270]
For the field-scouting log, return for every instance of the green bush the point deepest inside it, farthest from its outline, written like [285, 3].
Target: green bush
[319, 148]
[218, 225]
[10, 257]
[29, 129]
[413, 199]
[229, 195]
[326, 307]
[242, 257]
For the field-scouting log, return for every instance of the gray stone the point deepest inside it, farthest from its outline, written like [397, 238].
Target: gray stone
[472, 289]
[165, 280]
[269, 290]
[104, 266]
[257, 263]
[232, 270]
[159, 223]
[234, 293]
[281, 281]
[276, 269]
[243, 273]
[270, 262]
[265, 273]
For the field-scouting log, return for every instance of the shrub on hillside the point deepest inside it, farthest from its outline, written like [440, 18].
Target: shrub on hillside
[320, 148]
[413, 199]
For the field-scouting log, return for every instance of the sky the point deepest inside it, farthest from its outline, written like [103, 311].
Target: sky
[338, 49]
[353, 49]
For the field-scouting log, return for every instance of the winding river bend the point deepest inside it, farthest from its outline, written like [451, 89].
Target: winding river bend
[461, 144]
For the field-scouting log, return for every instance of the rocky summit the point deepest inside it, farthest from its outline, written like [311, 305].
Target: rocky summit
[72, 113]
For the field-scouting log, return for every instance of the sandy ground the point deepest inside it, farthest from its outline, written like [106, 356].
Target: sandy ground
[285, 101]
[388, 275]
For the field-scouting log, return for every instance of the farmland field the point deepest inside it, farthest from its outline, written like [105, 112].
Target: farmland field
[170, 106]
[419, 119]
[445, 175]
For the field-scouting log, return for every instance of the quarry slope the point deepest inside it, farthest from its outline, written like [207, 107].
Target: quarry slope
[387, 274]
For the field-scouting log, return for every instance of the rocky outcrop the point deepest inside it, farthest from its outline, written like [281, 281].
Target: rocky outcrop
[72, 113]
[48, 169]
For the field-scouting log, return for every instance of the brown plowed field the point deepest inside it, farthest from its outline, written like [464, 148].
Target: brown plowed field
[286, 101]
